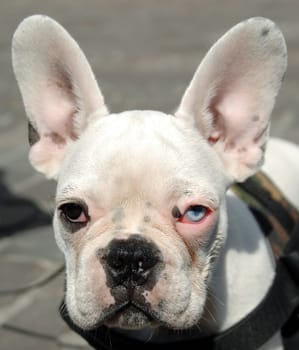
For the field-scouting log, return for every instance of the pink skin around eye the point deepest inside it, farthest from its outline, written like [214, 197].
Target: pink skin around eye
[184, 220]
[195, 230]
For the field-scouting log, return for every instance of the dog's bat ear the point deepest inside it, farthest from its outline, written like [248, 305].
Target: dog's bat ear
[232, 94]
[58, 87]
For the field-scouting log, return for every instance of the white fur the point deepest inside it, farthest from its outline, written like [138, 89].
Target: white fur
[143, 163]
[56, 82]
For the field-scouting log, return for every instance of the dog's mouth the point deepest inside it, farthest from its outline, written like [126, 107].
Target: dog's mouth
[129, 314]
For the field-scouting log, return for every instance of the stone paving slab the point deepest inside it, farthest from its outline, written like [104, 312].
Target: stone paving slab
[41, 314]
[144, 54]
[17, 341]
[36, 243]
[33, 314]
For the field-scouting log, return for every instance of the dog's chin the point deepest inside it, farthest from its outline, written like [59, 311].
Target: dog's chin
[126, 316]
[130, 317]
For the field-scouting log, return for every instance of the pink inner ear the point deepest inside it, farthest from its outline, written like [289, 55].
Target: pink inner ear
[236, 118]
[240, 130]
[57, 106]
[41, 155]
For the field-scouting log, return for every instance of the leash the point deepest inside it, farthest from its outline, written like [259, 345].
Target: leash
[278, 311]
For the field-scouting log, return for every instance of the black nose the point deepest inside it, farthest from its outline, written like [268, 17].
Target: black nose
[130, 260]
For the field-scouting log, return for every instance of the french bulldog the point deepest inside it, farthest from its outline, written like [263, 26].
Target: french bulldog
[152, 236]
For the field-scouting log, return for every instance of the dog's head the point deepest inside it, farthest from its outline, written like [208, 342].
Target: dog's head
[140, 205]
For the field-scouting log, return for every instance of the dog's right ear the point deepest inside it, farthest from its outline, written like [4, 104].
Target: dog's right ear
[232, 94]
[58, 87]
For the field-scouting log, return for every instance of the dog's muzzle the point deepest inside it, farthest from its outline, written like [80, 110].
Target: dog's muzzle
[132, 266]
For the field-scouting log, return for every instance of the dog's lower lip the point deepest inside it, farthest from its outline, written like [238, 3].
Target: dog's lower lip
[142, 309]
[111, 314]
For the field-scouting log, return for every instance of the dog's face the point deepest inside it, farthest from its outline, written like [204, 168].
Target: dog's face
[140, 205]
[138, 221]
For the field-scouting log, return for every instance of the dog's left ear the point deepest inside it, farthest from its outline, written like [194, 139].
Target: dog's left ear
[58, 87]
[232, 94]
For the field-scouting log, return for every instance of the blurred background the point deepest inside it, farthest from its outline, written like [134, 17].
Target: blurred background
[143, 53]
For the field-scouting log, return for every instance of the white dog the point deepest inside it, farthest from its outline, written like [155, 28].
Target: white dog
[153, 240]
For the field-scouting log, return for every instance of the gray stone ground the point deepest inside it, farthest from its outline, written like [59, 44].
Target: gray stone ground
[144, 53]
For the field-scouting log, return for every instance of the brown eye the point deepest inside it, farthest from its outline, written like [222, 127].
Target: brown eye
[74, 213]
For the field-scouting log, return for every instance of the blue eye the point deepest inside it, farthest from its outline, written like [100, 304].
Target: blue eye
[194, 214]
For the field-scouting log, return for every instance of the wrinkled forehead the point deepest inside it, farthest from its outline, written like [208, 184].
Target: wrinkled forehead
[138, 153]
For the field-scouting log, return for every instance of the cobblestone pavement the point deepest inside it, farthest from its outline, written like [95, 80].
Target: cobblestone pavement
[144, 53]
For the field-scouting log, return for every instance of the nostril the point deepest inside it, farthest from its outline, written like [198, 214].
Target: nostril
[117, 261]
[143, 260]
[130, 260]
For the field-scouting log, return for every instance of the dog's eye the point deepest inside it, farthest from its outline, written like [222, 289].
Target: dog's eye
[74, 213]
[194, 214]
